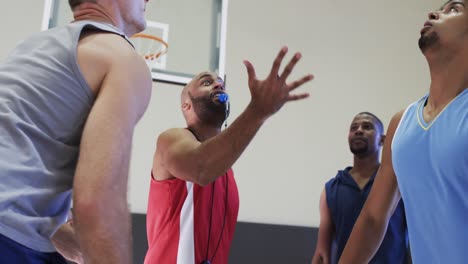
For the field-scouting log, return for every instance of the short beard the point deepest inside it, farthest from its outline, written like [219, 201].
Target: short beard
[359, 151]
[427, 41]
[209, 112]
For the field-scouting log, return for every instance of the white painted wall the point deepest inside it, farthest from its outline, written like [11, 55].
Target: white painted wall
[18, 19]
[364, 55]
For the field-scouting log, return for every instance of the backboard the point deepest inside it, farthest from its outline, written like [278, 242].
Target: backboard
[195, 31]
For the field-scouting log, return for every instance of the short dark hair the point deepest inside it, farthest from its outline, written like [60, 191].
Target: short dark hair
[74, 3]
[378, 122]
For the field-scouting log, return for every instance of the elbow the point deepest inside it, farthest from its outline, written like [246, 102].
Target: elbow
[194, 175]
[85, 211]
[203, 175]
[208, 173]
[202, 179]
[93, 209]
[202, 183]
[207, 169]
[373, 220]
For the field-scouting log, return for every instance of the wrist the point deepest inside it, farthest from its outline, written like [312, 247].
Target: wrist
[254, 112]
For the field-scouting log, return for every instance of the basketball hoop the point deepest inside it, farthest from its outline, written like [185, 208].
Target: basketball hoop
[151, 48]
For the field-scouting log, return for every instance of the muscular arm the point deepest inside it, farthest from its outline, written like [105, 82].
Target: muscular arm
[101, 216]
[186, 158]
[370, 228]
[326, 229]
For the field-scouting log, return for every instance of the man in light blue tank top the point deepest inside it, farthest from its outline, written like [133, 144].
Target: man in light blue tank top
[425, 158]
[68, 107]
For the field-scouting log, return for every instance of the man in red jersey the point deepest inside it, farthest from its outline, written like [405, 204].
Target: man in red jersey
[193, 201]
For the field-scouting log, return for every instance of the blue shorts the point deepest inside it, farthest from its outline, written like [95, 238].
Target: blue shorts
[13, 252]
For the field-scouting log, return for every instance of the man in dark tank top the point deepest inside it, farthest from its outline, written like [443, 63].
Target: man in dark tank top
[345, 195]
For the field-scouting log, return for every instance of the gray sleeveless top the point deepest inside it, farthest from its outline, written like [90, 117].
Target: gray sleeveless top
[44, 103]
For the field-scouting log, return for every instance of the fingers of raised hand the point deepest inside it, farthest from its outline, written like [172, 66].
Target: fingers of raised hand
[277, 61]
[250, 70]
[300, 82]
[288, 69]
[295, 84]
[296, 97]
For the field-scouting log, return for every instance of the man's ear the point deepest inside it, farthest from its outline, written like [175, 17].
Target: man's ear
[382, 140]
[186, 106]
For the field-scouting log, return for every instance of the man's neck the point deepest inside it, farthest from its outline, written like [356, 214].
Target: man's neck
[203, 132]
[365, 167]
[94, 12]
[449, 76]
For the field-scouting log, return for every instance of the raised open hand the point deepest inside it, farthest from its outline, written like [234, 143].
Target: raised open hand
[269, 95]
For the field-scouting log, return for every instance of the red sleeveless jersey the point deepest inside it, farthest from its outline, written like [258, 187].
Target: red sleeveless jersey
[187, 223]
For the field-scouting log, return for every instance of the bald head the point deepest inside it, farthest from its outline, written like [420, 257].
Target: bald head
[200, 100]
[210, 76]
[184, 93]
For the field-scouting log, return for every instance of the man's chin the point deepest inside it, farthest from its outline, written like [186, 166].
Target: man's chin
[214, 118]
[359, 151]
[428, 41]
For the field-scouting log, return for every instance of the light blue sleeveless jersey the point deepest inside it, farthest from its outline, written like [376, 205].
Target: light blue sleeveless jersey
[44, 103]
[431, 164]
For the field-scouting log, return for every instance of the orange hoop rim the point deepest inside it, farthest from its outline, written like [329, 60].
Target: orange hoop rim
[156, 55]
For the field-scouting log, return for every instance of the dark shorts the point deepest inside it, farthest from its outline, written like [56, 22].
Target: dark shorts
[15, 253]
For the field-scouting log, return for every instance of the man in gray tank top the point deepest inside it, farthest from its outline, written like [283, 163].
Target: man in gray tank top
[69, 100]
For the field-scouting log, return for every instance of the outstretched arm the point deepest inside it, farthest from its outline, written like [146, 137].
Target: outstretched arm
[326, 229]
[186, 158]
[100, 212]
[370, 228]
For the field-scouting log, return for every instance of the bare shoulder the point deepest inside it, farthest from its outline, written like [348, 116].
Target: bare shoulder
[100, 53]
[324, 194]
[166, 141]
[386, 167]
[106, 43]
[397, 117]
[323, 199]
[394, 122]
[118, 50]
[174, 135]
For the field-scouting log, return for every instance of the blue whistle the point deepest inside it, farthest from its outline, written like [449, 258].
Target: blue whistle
[223, 98]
